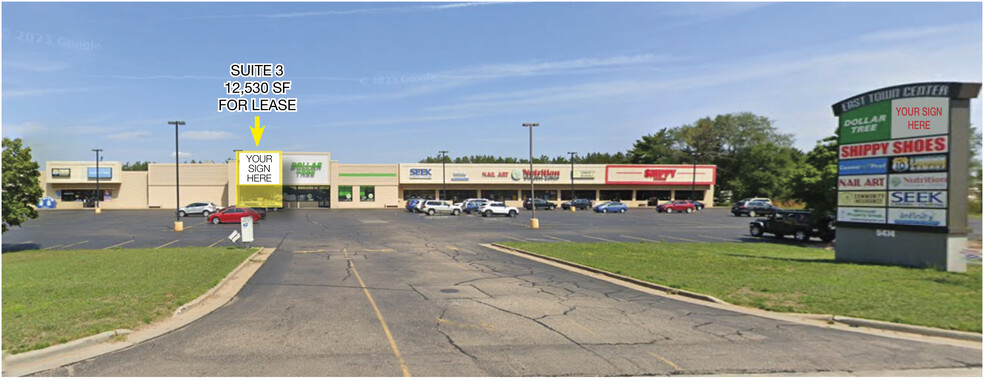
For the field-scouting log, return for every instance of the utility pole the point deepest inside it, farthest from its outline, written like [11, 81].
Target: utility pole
[534, 223]
[98, 192]
[693, 182]
[444, 177]
[572, 179]
[178, 225]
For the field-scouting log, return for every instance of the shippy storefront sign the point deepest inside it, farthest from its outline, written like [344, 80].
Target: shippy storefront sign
[902, 175]
[660, 174]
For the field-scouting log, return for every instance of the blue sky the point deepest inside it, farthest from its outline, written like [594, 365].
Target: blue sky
[395, 82]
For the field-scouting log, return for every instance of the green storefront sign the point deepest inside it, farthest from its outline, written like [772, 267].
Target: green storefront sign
[867, 124]
[305, 169]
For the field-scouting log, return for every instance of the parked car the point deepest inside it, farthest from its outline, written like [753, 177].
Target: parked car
[432, 207]
[497, 208]
[580, 203]
[752, 207]
[697, 204]
[411, 203]
[203, 208]
[473, 206]
[466, 201]
[539, 203]
[611, 207]
[261, 211]
[233, 214]
[679, 206]
[418, 207]
[801, 224]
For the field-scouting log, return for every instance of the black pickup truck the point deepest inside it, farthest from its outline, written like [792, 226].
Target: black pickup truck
[801, 224]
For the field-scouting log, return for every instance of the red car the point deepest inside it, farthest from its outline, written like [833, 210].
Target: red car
[233, 214]
[681, 206]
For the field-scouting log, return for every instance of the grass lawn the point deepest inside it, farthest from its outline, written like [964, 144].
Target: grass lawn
[52, 297]
[789, 278]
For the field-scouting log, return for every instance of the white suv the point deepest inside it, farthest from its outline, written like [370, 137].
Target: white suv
[500, 208]
[432, 207]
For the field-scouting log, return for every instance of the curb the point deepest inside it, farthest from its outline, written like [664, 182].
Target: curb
[60, 349]
[88, 347]
[219, 285]
[850, 321]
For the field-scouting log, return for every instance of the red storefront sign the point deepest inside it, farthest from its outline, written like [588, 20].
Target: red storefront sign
[660, 174]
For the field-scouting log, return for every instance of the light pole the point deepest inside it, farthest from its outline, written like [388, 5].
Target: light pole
[534, 223]
[178, 225]
[572, 179]
[693, 182]
[444, 177]
[98, 193]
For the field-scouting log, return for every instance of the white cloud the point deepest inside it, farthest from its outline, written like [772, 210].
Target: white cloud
[911, 33]
[206, 135]
[33, 92]
[182, 155]
[44, 66]
[407, 9]
[129, 135]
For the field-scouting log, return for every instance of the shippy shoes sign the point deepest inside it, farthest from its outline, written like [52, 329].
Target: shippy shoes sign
[902, 173]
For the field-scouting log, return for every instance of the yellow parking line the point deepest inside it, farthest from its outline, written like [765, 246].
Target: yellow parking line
[196, 224]
[166, 244]
[216, 242]
[382, 322]
[638, 238]
[118, 244]
[74, 244]
[680, 239]
[668, 362]
[557, 238]
[597, 238]
[377, 250]
[309, 251]
[54, 247]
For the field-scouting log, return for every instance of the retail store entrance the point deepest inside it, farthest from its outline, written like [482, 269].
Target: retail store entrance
[307, 197]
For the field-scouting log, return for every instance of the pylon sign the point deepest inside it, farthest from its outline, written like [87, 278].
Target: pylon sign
[903, 159]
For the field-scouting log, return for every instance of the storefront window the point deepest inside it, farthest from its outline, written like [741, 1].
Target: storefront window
[418, 193]
[661, 195]
[548, 194]
[294, 193]
[345, 194]
[588, 194]
[616, 195]
[367, 193]
[499, 195]
[685, 195]
[460, 195]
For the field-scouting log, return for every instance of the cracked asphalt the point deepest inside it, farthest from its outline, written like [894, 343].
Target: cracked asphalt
[389, 293]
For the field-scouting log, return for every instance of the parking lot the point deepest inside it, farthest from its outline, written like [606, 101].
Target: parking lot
[389, 293]
[154, 228]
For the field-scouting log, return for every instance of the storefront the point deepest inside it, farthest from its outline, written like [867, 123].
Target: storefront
[313, 180]
[633, 184]
[307, 180]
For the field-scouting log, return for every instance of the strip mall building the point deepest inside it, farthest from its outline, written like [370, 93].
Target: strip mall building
[313, 180]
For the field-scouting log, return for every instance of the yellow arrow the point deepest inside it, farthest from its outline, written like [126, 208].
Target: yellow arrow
[257, 131]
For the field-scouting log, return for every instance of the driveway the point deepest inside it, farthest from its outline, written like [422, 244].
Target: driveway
[389, 293]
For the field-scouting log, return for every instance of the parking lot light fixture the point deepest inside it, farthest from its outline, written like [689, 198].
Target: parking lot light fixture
[178, 225]
[98, 192]
[444, 177]
[534, 223]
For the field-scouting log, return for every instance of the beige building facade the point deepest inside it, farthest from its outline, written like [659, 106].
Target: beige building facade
[313, 180]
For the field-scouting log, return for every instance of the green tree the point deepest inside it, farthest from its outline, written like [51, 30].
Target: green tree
[21, 184]
[661, 147]
[136, 166]
[815, 181]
